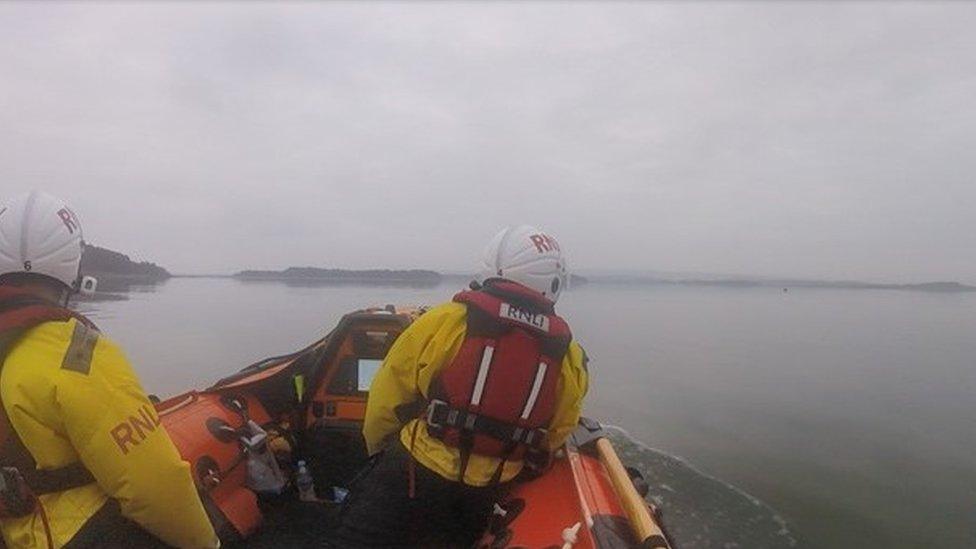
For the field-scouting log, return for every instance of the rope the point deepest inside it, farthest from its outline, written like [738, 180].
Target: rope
[46, 523]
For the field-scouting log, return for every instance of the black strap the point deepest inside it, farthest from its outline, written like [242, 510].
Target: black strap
[496, 477]
[465, 448]
[441, 415]
[49, 481]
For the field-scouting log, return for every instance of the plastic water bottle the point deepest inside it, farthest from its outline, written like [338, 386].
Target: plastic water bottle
[303, 479]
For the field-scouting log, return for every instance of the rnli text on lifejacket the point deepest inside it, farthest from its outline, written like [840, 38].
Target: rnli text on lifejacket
[512, 312]
[132, 432]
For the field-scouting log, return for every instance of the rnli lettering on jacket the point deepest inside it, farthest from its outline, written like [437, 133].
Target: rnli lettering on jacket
[135, 428]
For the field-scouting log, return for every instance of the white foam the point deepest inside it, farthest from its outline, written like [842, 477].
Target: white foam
[779, 520]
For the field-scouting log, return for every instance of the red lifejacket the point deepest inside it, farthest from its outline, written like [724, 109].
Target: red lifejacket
[498, 396]
[20, 311]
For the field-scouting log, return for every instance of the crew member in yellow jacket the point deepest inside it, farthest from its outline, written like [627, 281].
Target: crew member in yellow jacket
[77, 429]
[472, 391]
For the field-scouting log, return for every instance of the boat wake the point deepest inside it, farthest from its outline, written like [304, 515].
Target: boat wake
[699, 511]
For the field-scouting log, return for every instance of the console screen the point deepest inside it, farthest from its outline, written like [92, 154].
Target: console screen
[367, 370]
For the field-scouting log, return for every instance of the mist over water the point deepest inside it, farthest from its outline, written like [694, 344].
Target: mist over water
[849, 414]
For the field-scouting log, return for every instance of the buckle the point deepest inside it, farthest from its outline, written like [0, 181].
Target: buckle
[452, 417]
[432, 412]
[536, 437]
[16, 498]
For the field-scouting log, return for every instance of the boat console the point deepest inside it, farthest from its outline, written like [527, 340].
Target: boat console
[310, 405]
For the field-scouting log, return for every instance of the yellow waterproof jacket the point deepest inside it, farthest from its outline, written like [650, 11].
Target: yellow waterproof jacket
[71, 395]
[421, 351]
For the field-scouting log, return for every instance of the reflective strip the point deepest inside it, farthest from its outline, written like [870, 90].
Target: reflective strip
[479, 384]
[540, 375]
[78, 357]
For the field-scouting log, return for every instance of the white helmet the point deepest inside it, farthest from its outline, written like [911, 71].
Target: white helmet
[39, 234]
[526, 255]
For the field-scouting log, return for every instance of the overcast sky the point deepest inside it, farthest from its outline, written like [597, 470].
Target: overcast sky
[802, 139]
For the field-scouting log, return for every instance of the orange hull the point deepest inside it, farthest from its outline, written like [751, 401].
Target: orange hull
[217, 465]
[572, 502]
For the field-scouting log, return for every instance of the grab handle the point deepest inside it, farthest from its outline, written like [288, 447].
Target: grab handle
[649, 533]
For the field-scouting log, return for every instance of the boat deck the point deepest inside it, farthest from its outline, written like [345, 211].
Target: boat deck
[293, 523]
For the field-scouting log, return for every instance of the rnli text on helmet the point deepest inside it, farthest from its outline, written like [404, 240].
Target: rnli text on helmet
[69, 219]
[544, 243]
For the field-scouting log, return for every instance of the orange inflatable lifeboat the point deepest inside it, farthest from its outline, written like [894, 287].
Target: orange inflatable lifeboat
[244, 436]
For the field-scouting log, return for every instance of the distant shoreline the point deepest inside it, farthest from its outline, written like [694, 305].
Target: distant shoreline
[433, 278]
[318, 276]
[110, 266]
[785, 284]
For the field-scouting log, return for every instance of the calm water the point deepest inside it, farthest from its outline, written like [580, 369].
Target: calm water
[852, 414]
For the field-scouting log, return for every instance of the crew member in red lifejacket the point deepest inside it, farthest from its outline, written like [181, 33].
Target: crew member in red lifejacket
[84, 461]
[472, 391]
